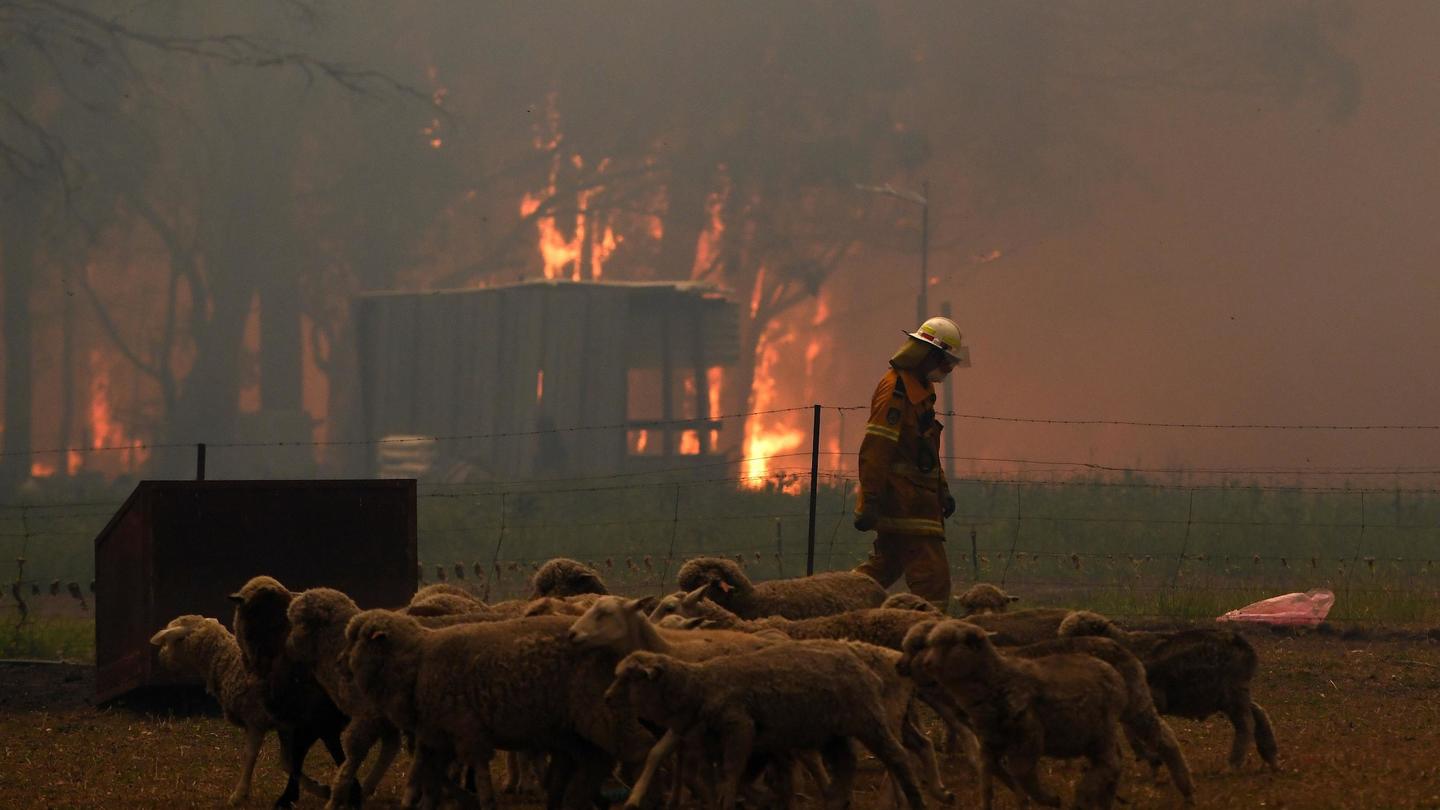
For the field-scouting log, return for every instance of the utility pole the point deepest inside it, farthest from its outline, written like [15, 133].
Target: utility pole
[922, 303]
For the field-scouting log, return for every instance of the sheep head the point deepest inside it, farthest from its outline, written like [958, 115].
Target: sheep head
[261, 623]
[179, 642]
[957, 651]
[913, 646]
[563, 576]
[985, 598]
[1089, 623]
[633, 675]
[909, 601]
[612, 622]
[315, 616]
[723, 574]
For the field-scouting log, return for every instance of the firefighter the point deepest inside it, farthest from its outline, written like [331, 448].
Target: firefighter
[903, 493]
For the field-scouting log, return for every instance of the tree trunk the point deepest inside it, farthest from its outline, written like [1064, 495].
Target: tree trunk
[17, 266]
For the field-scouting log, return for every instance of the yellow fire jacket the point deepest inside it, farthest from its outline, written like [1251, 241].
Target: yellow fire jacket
[900, 473]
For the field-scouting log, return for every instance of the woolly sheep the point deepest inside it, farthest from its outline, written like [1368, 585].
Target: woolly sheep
[303, 712]
[317, 638]
[1196, 673]
[782, 698]
[1058, 705]
[1022, 626]
[801, 598]
[200, 647]
[466, 690]
[566, 577]
[884, 627]
[1150, 736]
[909, 601]
[984, 598]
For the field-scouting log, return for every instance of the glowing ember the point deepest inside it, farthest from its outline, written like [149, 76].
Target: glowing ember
[540, 385]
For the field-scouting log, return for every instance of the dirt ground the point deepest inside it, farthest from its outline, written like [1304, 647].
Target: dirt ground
[1358, 723]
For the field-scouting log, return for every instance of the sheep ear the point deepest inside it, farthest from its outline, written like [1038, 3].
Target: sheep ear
[724, 586]
[378, 635]
[651, 671]
[635, 606]
[236, 598]
[1013, 598]
[692, 623]
[169, 634]
[694, 597]
[645, 604]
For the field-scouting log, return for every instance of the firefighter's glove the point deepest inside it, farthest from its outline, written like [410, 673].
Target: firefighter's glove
[949, 505]
[866, 520]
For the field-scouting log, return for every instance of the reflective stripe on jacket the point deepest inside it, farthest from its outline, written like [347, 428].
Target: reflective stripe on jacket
[900, 472]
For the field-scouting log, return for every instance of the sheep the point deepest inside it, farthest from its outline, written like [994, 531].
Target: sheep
[566, 577]
[781, 698]
[818, 595]
[442, 604]
[466, 690]
[984, 598]
[1150, 736]
[1196, 673]
[445, 588]
[884, 627]
[317, 637]
[196, 646]
[1022, 626]
[618, 627]
[303, 712]
[909, 601]
[1063, 705]
[561, 605]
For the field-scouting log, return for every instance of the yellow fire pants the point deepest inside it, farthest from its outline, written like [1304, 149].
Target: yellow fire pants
[921, 559]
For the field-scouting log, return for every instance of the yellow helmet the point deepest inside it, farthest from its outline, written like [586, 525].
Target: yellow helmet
[943, 334]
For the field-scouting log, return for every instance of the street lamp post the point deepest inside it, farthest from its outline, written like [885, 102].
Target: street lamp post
[922, 199]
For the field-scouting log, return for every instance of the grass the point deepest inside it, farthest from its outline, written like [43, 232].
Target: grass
[50, 638]
[1128, 547]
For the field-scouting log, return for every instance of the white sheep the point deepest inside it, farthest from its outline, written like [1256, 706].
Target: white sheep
[199, 647]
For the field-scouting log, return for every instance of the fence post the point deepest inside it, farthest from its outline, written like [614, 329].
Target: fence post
[814, 491]
[200, 461]
[974, 557]
[780, 548]
[494, 572]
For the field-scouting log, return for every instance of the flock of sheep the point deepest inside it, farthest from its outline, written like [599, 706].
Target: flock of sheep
[720, 692]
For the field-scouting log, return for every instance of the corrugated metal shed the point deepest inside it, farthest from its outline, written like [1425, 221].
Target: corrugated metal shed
[526, 372]
[178, 547]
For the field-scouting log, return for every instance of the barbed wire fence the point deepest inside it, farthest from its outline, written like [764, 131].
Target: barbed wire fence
[1107, 536]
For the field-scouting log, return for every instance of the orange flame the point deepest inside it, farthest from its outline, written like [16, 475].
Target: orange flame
[768, 435]
[105, 430]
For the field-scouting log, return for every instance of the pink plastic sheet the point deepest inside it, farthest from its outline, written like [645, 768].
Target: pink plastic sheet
[1294, 609]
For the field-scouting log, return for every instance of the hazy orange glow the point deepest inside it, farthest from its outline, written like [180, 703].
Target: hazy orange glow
[105, 430]
[690, 443]
[768, 435]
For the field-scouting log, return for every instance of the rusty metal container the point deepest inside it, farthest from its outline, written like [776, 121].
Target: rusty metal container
[178, 547]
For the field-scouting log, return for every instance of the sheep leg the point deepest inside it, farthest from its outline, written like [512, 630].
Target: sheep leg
[840, 756]
[923, 751]
[584, 788]
[883, 745]
[1242, 719]
[1265, 736]
[512, 773]
[254, 738]
[815, 766]
[557, 777]
[1158, 739]
[737, 739]
[663, 748]
[1098, 784]
[357, 739]
[1018, 769]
